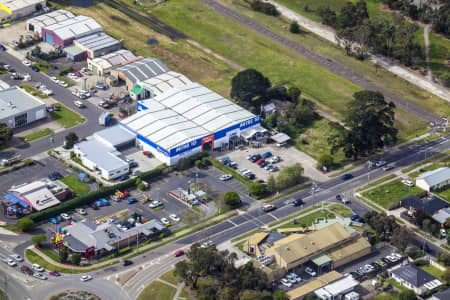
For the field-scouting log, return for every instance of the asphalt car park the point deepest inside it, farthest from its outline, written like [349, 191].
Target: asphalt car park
[288, 156]
[144, 163]
[33, 172]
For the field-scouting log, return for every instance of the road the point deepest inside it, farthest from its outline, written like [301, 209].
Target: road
[333, 66]
[151, 265]
[62, 95]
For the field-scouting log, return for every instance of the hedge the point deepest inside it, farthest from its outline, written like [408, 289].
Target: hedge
[92, 196]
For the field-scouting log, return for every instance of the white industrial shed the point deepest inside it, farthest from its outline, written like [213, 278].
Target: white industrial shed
[337, 289]
[98, 44]
[14, 9]
[37, 23]
[187, 119]
[434, 180]
[158, 85]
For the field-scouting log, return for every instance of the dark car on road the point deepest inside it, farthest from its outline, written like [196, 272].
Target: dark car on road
[3, 48]
[297, 202]
[126, 263]
[55, 176]
[34, 68]
[346, 176]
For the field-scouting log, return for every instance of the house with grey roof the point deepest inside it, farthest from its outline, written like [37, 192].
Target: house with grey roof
[19, 108]
[441, 216]
[434, 180]
[107, 237]
[414, 278]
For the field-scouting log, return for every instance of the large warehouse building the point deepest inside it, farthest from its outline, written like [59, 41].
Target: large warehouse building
[186, 120]
[37, 23]
[64, 33]
[97, 44]
[11, 10]
[18, 108]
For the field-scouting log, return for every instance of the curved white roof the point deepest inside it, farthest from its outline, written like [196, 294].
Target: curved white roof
[76, 27]
[184, 114]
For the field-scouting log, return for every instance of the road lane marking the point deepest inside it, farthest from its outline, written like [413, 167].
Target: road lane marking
[232, 223]
[273, 216]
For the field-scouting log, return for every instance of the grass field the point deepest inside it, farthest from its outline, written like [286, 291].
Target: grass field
[33, 91]
[66, 117]
[37, 135]
[341, 210]
[80, 188]
[391, 193]
[184, 295]
[157, 291]
[2, 295]
[376, 182]
[308, 220]
[433, 271]
[439, 52]
[170, 277]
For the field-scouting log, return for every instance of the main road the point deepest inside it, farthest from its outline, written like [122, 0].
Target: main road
[62, 95]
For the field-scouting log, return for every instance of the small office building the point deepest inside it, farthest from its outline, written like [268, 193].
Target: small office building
[97, 44]
[18, 108]
[11, 10]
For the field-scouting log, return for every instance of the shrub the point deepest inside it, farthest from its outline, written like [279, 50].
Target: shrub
[206, 162]
[294, 27]
[38, 239]
[325, 160]
[290, 176]
[25, 224]
[258, 190]
[232, 199]
[198, 164]
[141, 186]
[63, 255]
[265, 8]
[65, 71]
[76, 258]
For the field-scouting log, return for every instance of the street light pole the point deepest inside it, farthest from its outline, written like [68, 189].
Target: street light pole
[369, 166]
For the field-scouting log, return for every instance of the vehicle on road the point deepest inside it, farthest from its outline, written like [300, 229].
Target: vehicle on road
[17, 257]
[79, 104]
[226, 177]
[26, 63]
[268, 207]
[11, 262]
[310, 272]
[380, 163]
[175, 218]
[85, 278]
[297, 202]
[126, 262]
[155, 204]
[388, 167]
[408, 183]
[37, 268]
[132, 200]
[346, 176]
[54, 273]
[3, 48]
[178, 253]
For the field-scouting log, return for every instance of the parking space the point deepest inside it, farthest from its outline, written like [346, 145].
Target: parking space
[145, 163]
[288, 156]
[233, 184]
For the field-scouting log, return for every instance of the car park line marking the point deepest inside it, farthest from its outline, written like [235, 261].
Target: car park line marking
[112, 215]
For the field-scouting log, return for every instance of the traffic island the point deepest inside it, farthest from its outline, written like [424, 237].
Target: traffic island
[74, 295]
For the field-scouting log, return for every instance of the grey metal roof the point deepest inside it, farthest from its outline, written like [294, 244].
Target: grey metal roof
[414, 275]
[444, 295]
[97, 41]
[102, 155]
[76, 27]
[15, 100]
[142, 69]
[15, 5]
[280, 137]
[115, 135]
[435, 177]
[442, 216]
[50, 18]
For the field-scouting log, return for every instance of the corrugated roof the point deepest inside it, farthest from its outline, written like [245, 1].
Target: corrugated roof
[336, 288]
[103, 156]
[435, 177]
[308, 244]
[73, 50]
[142, 69]
[442, 215]
[164, 82]
[115, 135]
[76, 27]
[314, 285]
[184, 114]
[14, 5]
[51, 18]
[97, 41]
[15, 100]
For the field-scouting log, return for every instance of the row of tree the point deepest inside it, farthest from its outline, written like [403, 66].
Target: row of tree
[389, 37]
[225, 280]
[387, 229]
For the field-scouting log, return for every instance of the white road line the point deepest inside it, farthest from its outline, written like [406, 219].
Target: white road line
[273, 216]
[232, 223]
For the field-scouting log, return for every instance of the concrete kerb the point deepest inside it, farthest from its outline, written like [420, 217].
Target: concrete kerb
[118, 259]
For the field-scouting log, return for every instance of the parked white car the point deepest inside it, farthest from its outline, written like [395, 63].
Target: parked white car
[408, 183]
[63, 84]
[40, 276]
[225, 177]
[310, 272]
[286, 282]
[443, 232]
[155, 204]
[54, 79]
[17, 257]
[11, 262]
[165, 221]
[37, 268]
[26, 63]
[85, 278]
[65, 216]
[207, 244]
[175, 218]
[274, 159]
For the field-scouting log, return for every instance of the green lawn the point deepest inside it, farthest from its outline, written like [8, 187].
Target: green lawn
[157, 291]
[391, 193]
[309, 219]
[170, 277]
[184, 295]
[433, 271]
[439, 52]
[80, 188]
[391, 295]
[376, 182]
[33, 91]
[445, 194]
[443, 163]
[341, 210]
[66, 117]
[37, 135]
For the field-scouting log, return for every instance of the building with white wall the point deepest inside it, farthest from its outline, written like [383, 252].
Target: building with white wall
[37, 23]
[11, 10]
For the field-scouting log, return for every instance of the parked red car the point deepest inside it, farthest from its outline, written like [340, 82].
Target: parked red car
[261, 160]
[77, 73]
[147, 153]
[178, 253]
[26, 270]
[54, 273]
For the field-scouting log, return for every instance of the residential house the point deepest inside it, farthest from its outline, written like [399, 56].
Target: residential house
[429, 205]
[434, 180]
[414, 278]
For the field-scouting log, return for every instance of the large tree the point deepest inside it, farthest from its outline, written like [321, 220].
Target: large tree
[71, 139]
[232, 199]
[249, 86]
[5, 134]
[370, 124]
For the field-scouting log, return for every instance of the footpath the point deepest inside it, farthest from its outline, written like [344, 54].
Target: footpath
[148, 247]
[329, 34]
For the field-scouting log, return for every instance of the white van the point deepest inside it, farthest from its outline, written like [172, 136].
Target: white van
[352, 296]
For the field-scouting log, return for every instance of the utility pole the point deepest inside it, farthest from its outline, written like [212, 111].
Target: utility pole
[369, 166]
